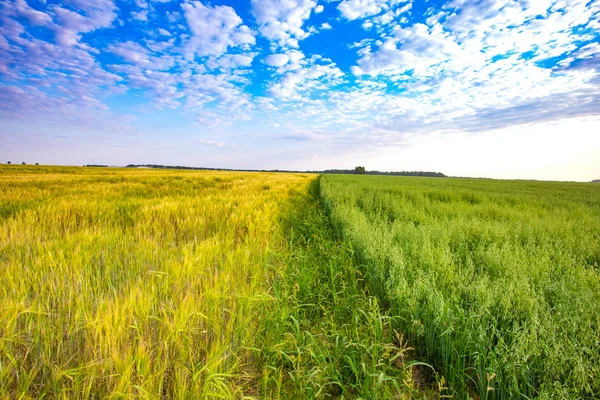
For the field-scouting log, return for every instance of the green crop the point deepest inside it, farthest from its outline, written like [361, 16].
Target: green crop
[495, 283]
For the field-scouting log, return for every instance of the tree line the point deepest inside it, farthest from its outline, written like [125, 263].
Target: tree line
[361, 170]
[357, 170]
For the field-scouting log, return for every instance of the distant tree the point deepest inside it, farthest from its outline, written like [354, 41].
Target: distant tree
[37, 163]
[360, 170]
[23, 163]
[8, 162]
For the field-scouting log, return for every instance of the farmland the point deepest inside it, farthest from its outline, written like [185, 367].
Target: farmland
[138, 283]
[132, 282]
[143, 283]
[496, 283]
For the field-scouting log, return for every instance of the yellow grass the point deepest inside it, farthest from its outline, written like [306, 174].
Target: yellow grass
[135, 283]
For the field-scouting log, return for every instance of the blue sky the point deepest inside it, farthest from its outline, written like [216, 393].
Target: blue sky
[305, 84]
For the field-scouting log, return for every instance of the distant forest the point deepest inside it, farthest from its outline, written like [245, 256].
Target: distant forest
[395, 173]
[327, 171]
[205, 168]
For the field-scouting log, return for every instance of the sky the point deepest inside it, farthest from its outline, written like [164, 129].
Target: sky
[482, 88]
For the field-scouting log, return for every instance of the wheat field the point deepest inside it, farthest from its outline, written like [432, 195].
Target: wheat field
[135, 283]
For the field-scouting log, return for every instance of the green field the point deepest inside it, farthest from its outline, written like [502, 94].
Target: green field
[141, 283]
[496, 283]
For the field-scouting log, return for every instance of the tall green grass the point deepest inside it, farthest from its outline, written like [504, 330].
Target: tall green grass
[496, 283]
[329, 337]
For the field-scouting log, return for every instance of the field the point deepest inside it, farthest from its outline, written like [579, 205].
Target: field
[138, 283]
[143, 283]
[495, 283]
[133, 282]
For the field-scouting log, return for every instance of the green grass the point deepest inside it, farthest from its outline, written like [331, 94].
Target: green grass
[496, 283]
[328, 337]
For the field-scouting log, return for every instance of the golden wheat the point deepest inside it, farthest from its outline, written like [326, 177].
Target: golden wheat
[135, 283]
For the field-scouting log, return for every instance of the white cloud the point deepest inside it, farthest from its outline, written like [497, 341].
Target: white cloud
[68, 84]
[417, 48]
[467, 66]
[319, 9]
[281, 21]
[587, 57]
[132, 52]
[164, 32]
[354, 9]
[173, 16]
[59, 80]
[295, 59]
[277, 60]
[326, 26]
[92, 15]
[34, 16]
[143, 4]
[231, 61]
[214, 29]
[140, 15]
[294, 85]
[358, 9]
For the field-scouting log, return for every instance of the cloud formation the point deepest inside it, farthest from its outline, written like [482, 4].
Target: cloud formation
[214, 30]
[281, 21]
[345, 75]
